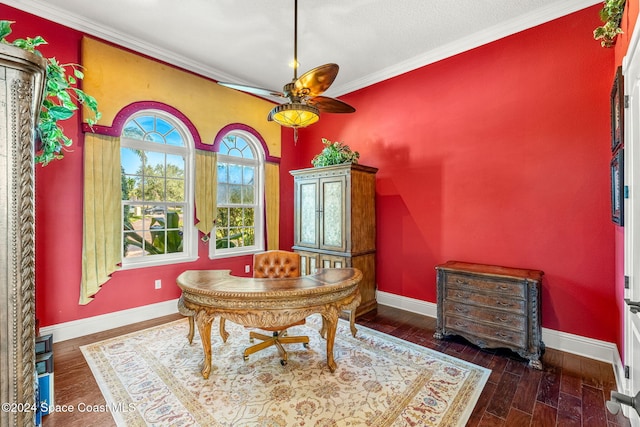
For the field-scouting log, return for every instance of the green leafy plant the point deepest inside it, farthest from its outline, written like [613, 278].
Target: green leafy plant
[334, 153]
[61, 98]
[611, 15]
[158, 228]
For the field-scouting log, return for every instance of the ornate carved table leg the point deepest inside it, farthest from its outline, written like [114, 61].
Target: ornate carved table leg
[223, 332]
[204, 321]
[331, 318]
[188, 313]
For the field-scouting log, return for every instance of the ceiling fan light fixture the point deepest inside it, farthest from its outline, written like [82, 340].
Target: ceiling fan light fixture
[295, 115]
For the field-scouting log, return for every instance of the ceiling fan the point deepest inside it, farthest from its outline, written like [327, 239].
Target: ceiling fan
[303, 93]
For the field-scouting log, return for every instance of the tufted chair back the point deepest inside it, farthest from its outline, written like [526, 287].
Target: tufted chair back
[276, 264]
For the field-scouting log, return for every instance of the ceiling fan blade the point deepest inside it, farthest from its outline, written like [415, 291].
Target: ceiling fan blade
[315, 81]
[330, 105]
[254, 90]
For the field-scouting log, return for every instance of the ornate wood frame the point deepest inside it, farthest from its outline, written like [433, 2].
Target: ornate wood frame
[21, 88]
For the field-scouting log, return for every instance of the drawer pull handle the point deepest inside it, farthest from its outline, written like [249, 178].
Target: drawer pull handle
[501, 319]
[459, 295]
[462, 310]
[501, 335]
[461, 282]
[503, 288]
[461, 324]
[504, 304]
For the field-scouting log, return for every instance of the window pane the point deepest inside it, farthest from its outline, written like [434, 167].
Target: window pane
[223, 193]
[174, 138]
[248, 174]
[146, 123]
[131, 187]
[133, 131]
[235, 174]
[222, 220]
[131, 160]
[162, 126]
[247, 195]
[235, 194]
[175, 190]
[222, 172]
[236, 217]
[175, 166]
[153, 189]
[154, 165]
[154, 137]
[249, 217]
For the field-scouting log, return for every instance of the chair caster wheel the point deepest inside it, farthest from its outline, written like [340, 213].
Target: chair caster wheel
[283, 362]
[305, 345]
[251, 340]
[246, 358]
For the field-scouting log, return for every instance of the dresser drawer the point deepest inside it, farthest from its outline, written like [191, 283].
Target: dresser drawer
[491, 306]
[503, 302]
[489, 332]
[501, 319]
[482, 284]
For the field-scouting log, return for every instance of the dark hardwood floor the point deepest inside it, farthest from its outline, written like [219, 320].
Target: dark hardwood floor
[570, 391]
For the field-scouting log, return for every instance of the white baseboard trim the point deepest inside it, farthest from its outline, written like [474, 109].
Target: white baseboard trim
[576, 344]
[91, 325]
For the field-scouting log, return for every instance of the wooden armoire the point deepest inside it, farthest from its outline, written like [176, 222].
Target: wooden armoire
[335, 222]
[22, 76]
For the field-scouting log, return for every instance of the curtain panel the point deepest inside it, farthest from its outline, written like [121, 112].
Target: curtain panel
[205, 193]
[272, 204]
[101, 249]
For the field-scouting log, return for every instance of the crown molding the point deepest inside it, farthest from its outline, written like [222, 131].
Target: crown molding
[456, 47]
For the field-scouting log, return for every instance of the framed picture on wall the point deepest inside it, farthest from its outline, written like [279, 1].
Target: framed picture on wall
[617, 111]
[617, 187]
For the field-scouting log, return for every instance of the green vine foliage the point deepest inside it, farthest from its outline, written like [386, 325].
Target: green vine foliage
[611, 15]
[334, 153]
[61, 100]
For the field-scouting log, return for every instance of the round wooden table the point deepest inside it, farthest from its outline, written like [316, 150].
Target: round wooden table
[252, 302]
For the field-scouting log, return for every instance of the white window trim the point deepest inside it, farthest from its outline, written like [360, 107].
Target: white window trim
[189, 231]
[260, 205]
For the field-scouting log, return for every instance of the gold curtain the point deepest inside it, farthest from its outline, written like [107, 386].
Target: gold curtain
[101, 246]
[206, 190]
[272, 196]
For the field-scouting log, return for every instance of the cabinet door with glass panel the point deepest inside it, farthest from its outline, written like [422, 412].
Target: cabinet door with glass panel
[320, 213]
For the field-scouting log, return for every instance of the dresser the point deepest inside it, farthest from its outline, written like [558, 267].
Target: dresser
[335, 222]
[491, 306]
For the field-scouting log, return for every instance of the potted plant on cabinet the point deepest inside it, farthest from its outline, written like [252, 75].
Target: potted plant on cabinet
[60, 101]
[334, 153]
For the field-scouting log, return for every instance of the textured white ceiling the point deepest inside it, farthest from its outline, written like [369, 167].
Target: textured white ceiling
[251, 41]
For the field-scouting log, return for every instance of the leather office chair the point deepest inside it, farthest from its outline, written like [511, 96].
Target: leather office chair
[274, 264]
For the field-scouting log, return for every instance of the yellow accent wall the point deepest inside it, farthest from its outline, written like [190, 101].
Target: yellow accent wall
[117, 78]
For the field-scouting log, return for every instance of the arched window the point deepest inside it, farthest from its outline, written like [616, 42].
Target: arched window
[157, 181]
[239, 224]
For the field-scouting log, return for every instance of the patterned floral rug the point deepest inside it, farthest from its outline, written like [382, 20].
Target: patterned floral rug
[152, 378]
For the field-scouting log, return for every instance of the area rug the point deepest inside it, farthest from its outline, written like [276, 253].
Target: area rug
[152, 378]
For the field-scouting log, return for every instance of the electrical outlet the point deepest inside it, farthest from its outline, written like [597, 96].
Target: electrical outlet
[158, 284]
[247, 268]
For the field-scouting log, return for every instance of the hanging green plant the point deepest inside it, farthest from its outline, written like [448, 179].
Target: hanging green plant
[334, 153]
[611, 16]
[61, 100]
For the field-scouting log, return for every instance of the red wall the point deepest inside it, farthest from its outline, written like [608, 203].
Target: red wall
[498, 155]
[59, 218]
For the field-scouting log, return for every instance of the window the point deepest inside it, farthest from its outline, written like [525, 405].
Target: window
[240, 196]
[156, 161]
